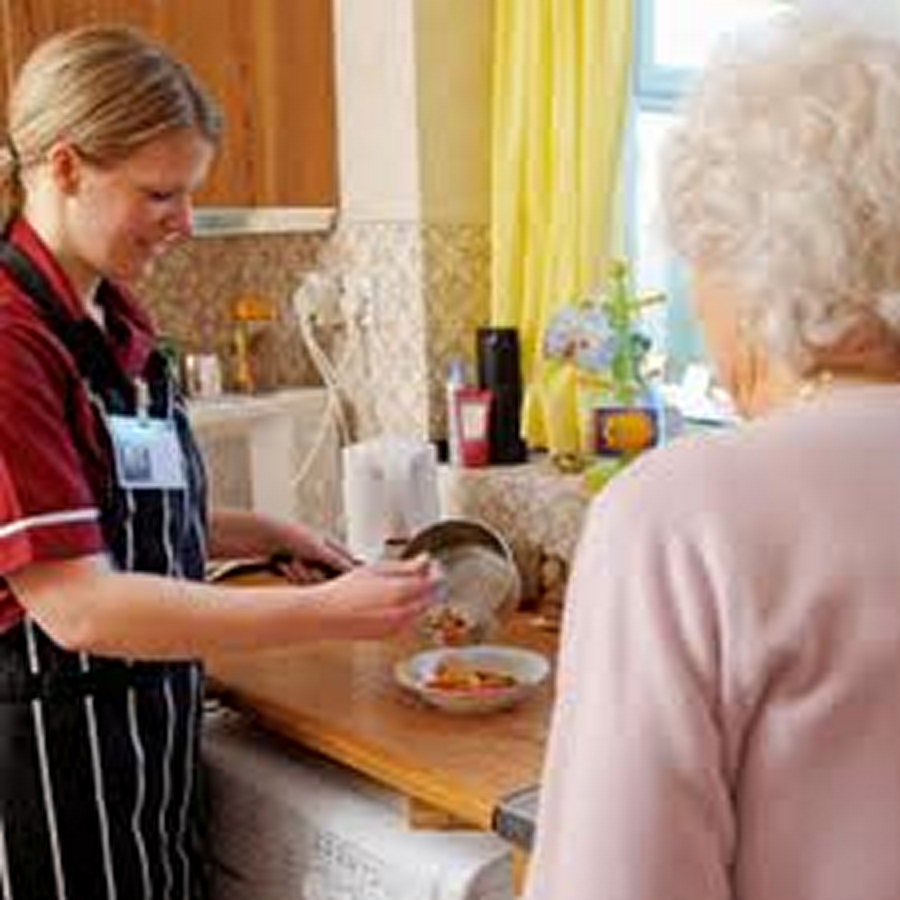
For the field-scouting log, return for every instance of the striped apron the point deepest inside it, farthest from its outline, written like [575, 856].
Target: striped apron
[98, 756]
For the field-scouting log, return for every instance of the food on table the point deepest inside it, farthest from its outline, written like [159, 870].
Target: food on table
[454, 674]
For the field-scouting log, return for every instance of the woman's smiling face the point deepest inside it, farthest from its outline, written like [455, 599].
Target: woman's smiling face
[115, 219]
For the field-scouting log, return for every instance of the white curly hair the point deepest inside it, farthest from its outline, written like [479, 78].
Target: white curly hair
[784, 175]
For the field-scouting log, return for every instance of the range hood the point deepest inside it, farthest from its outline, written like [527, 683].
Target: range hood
[230, 220]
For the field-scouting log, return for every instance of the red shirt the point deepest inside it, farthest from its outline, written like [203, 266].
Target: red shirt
[53, 464]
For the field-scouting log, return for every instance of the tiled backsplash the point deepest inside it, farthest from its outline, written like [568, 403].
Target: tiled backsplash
[191, 290]
[457, 284]
[424, 287]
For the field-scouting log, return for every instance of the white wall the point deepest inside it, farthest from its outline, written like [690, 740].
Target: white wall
[376, 110]
[453, 70]
[413, 85]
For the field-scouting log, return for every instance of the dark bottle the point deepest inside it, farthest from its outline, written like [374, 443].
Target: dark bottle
[499, 372]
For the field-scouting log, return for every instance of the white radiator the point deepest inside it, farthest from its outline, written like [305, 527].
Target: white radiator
[291, 826]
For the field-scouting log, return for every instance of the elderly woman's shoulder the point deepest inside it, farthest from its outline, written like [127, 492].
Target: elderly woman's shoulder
[693, 471]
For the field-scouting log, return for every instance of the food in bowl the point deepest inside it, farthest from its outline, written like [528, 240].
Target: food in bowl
[427, 673]
[455, 674]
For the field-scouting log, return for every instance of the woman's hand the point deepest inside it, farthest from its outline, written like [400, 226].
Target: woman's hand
[304, 557]
[300, 553]
[378, 600]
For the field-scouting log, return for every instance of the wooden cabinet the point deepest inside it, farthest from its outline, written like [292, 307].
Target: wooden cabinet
[269, 63]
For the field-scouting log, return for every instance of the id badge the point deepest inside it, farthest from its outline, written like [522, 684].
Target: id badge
[147, 453]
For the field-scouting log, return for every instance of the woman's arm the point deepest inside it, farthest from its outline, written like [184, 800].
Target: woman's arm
[84, 605]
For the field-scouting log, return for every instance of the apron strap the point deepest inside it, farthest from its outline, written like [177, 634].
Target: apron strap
[83, 338]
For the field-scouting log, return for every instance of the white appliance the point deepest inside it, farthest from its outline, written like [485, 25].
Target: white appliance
[276, 453]
[286, 825]
[390, 492]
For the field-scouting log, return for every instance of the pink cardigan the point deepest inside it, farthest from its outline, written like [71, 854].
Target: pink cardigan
[728, 716]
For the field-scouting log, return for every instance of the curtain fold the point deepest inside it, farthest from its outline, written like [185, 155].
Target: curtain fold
[559, 98]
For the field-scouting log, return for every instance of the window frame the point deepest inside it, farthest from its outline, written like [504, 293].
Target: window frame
[655, 89]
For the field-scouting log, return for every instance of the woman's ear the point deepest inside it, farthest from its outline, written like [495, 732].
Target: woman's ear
[65, 167]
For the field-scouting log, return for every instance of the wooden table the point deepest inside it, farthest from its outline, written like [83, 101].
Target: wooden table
[341, 700]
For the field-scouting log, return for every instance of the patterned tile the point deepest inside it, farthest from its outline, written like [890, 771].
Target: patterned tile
[457, 288]
[191, 290]
[426, 288]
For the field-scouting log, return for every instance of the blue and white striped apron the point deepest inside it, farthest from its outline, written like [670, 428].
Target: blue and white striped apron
[98, 756]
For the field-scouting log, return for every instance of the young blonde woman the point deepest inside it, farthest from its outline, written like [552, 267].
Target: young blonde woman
[727, 721]
[102, 612]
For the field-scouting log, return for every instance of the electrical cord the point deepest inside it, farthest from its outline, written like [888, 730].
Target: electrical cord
[305, 307]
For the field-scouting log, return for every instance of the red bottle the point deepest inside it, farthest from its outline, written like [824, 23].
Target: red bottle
[472, 413]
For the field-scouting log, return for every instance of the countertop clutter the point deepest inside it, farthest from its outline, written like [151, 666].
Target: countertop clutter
[341, 702]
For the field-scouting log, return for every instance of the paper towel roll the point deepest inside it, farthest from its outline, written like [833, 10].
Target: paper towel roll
[390, 492]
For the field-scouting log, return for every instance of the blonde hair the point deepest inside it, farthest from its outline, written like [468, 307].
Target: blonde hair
[106, 89]
[784, 174]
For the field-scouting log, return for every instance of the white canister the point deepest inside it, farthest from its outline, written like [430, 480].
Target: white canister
[203, 375]
[390, 492]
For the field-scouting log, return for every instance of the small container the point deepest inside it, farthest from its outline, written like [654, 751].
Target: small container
[203, 375]
[480, 585]
[456, 380]
[525, 669]
[473, 423]
[626, 430]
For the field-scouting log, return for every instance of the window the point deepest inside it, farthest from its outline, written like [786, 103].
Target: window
[672, 40]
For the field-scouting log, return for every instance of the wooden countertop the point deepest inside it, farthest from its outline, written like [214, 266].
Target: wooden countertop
[341, 700]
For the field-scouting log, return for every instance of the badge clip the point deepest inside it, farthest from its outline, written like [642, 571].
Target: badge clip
[142, 400]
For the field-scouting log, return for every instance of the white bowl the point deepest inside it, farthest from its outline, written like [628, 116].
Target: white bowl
[527, 667]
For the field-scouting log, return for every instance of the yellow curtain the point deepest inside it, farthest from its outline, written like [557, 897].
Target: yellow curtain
[559, 97]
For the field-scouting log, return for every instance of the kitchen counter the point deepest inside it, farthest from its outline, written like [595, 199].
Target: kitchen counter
[341, 700]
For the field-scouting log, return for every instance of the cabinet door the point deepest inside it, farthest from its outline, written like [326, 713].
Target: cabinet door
[218, 45]
[27, 22]
[268, 63]
[295, 97]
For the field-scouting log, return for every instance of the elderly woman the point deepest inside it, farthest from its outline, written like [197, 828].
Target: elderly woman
[728, 714]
